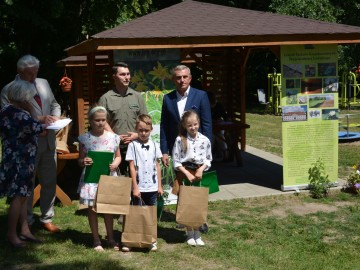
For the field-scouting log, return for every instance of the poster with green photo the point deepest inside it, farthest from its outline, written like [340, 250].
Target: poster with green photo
[309, 112]
[151, 75]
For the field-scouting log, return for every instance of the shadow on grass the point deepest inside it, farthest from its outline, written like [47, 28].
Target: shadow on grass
[167, 228]
[167, 217]
[349, 190]
[81, 212]
[101, 264]
[75, 236]
[171, 235]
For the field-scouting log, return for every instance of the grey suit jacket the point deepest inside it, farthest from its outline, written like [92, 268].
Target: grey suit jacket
[49, 106]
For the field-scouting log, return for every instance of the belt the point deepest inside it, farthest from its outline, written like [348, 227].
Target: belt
[191, 166]
[123, 146]
[122, 142]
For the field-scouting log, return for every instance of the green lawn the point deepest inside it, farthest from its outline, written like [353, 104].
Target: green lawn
[278, 232]
[265, 133]
[275, 232]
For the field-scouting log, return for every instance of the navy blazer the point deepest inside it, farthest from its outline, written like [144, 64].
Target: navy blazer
[169, 126]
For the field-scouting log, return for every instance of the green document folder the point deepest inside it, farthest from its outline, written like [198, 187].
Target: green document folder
[209, 179]
[100, 166]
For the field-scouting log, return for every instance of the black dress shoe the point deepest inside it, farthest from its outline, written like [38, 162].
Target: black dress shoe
[28, 239]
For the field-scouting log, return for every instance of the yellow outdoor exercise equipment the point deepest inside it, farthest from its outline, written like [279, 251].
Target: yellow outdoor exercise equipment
[350, 90]
[274, 93]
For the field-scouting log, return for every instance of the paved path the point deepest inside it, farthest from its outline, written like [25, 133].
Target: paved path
[260, 175]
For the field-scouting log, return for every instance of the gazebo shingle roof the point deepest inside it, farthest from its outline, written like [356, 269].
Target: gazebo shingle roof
[196, 24]
[197, 19]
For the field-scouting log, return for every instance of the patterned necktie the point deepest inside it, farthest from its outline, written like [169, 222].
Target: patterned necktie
[145, 146]
[37, 97]
[38, 100]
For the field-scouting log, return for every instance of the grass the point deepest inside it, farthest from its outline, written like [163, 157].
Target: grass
[261, 233]
[265, 133]
[275, 232]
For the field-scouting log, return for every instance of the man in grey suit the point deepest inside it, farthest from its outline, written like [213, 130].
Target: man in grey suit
[47, 111]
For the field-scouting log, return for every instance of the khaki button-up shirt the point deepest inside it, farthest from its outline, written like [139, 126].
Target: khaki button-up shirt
[123, 110]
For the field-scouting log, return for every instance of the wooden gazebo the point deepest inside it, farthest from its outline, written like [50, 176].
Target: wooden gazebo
[218, 39]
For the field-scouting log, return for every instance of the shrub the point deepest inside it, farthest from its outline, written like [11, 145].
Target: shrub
[319, 184]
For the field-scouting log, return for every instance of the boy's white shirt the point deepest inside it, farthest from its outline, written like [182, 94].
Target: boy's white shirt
[146, 168]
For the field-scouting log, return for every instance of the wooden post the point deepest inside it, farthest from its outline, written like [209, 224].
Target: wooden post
[244, 57]
[91, 76]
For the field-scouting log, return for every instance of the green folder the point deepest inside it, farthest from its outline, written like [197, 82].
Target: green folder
[100, 166]
[209, 179]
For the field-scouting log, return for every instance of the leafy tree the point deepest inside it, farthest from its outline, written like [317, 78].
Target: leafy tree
[349, 54]
[261, 5]
[45, 28]
[322, 10]
[260, 63]
[350, 11]
[338, 11]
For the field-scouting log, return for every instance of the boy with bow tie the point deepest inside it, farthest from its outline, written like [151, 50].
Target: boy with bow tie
[143, 156]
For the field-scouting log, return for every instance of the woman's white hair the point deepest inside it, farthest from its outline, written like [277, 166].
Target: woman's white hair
[21, 91]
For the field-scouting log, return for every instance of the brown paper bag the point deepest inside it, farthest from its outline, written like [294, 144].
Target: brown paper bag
[192, 206]
[61, 139]
[178, 181]
[113, 195]
[140, 227]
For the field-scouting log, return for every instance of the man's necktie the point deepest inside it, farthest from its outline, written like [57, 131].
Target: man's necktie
[145, 146]
[38, 100]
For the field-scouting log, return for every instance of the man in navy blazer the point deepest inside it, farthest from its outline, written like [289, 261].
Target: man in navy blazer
[175, 103]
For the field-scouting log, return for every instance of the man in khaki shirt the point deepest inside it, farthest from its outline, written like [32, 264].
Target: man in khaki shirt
[123, 105]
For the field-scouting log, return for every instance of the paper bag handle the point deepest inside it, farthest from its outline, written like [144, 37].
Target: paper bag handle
[142, 203]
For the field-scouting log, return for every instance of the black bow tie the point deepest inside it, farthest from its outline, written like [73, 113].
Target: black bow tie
[145, 146]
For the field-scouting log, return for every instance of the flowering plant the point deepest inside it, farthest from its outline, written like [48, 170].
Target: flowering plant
[65, 81]
[353, 181]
